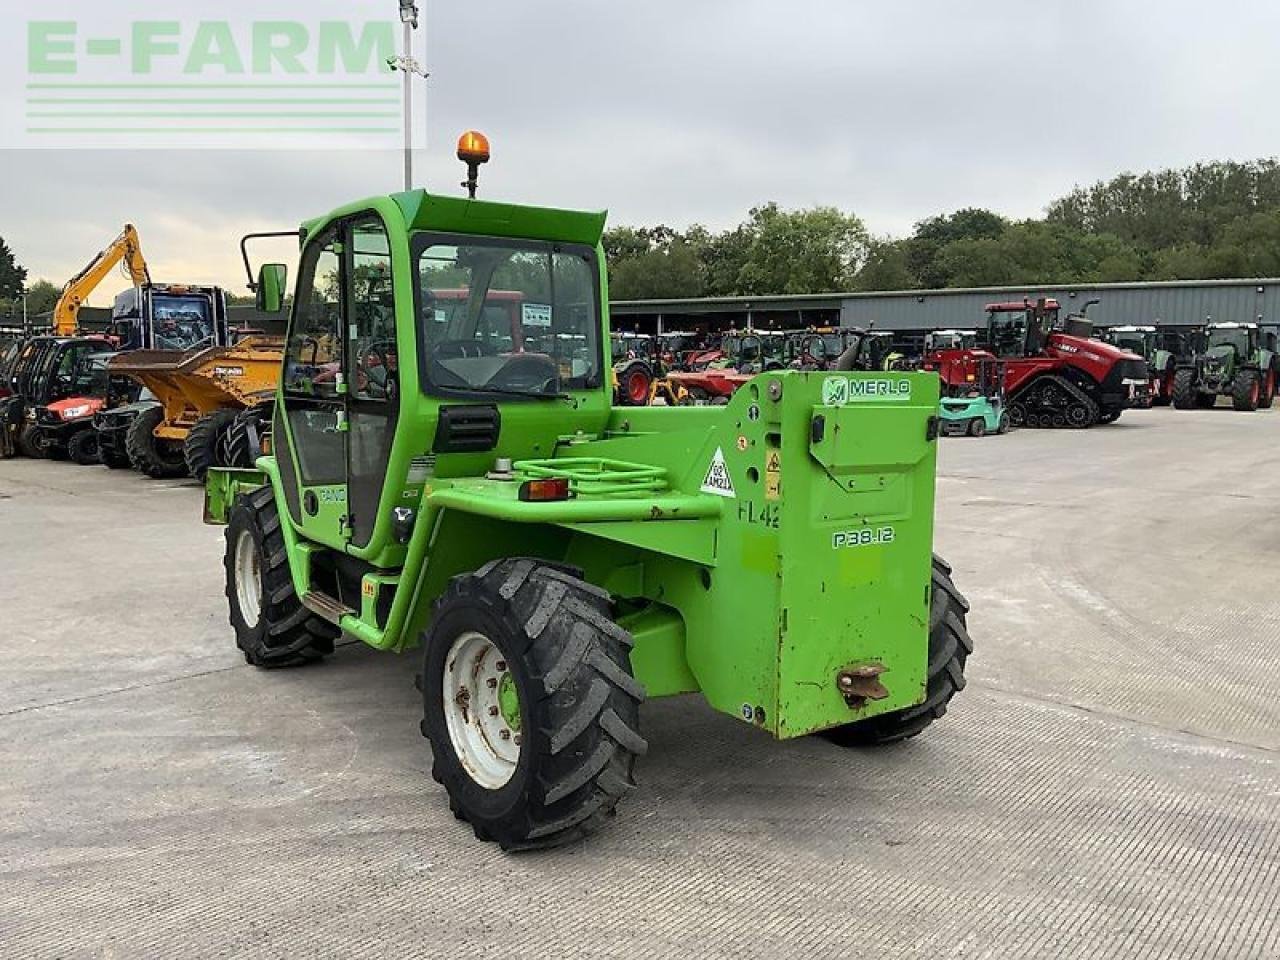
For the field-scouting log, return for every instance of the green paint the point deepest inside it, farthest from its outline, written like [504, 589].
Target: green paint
[820, 561]
[509, 701]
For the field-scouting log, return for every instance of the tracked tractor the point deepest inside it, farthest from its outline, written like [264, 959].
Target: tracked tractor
[1233, 363]
[555, 561]
[1056, 373]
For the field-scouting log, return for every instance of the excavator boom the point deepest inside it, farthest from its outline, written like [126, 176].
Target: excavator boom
[125, 247]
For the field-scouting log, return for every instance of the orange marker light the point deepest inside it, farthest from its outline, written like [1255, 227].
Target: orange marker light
[473, 147]
[541, 490]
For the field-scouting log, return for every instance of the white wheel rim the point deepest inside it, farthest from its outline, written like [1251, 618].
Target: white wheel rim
[485, 739]
[248, 578]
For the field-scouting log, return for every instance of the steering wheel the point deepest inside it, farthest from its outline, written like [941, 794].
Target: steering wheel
[525, 370]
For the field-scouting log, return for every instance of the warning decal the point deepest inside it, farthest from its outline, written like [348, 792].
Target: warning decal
[717, 479]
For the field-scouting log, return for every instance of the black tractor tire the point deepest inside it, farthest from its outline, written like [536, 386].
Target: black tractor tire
[578, 705]
[1004, 423]
[157, 458]
[1184, 389]
[242, 441]
[82, 448]
[31, 442]
[1018, 415]
[1246, 391]
[977, 427]
[949, 649]
[202, 447]
[273, 628]
[114, 461]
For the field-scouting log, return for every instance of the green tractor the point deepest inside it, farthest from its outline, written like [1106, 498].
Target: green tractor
[554, 559]
[1163, 350]
[1235, 363]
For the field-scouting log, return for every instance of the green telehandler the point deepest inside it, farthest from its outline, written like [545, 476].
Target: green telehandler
[459, 482]
[1235, 362]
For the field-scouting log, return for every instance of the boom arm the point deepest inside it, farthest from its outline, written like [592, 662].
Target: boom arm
[125, 247]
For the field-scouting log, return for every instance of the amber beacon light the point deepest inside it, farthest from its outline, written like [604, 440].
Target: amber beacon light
[473, 150]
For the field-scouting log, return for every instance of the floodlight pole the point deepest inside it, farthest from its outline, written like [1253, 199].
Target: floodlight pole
[409, 67]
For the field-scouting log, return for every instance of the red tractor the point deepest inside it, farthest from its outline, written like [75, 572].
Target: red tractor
[955, 355]
[1056, 374]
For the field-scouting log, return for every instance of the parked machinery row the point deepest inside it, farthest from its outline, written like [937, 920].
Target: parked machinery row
[167, 387]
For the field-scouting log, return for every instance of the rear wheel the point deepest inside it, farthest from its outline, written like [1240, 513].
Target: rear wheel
[1004, 423]
[155, 456]
[273, 628]
[1184, 389]
[1268, 394]
[1246, 390]
[82, 448]
[949, 649]
[633, 384]
[529, 703]
[201, 448]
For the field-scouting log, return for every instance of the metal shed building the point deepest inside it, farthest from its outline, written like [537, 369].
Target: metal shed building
[1173, 302]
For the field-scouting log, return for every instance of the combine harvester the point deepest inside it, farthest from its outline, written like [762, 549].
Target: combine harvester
[556, 559]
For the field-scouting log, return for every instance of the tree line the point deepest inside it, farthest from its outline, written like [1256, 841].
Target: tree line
[1206, 221]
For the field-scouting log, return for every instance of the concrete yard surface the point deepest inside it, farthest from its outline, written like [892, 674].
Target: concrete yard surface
[1108, 785]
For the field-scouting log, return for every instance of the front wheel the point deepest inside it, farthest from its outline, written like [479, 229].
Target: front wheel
[1246, 390]
[949, 649]
[82, 448]
[977, 427]
[1184, 389]
[273, 628]
[31, 442]
[529, 703]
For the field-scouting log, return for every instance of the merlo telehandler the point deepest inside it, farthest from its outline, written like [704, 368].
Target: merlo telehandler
[555, 559]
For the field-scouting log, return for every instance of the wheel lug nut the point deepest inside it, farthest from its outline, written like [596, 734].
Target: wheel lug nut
[493, 683]
[501, 665]
[493, 711]
[518, 740]
[504, 734]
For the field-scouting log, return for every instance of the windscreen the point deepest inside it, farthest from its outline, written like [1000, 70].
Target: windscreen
[181, 321]
[1237, 337]
[508, 317]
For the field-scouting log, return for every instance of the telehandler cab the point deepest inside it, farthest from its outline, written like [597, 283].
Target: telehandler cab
[557, 559]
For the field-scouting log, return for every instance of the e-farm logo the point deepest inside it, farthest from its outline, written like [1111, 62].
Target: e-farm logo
[113, 76]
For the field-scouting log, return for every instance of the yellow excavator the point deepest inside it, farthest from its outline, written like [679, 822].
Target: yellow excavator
[126, 248]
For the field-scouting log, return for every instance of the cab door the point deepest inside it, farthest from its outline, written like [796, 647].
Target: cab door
[313, 387]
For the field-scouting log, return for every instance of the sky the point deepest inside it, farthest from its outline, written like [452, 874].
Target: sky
[695, 111]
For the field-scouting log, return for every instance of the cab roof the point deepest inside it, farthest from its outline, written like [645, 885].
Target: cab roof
[429, 211]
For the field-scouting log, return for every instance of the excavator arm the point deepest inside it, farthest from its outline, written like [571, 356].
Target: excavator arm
[125, 247]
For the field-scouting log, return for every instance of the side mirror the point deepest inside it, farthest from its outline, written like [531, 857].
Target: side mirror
[269, 289]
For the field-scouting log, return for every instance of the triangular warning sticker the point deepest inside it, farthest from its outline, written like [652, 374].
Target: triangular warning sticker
[717, 479]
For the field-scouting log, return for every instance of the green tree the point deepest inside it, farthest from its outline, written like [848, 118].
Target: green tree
[801, 251]
[669, 270]
[933, 235]
[13, 276]
[41, 297]
[885, 267]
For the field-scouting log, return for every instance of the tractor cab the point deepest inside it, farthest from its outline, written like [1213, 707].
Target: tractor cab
[819, 349]
[1020, 328]
[166, 316]
[936, 341]
[1135, 339]
[1234, 341]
